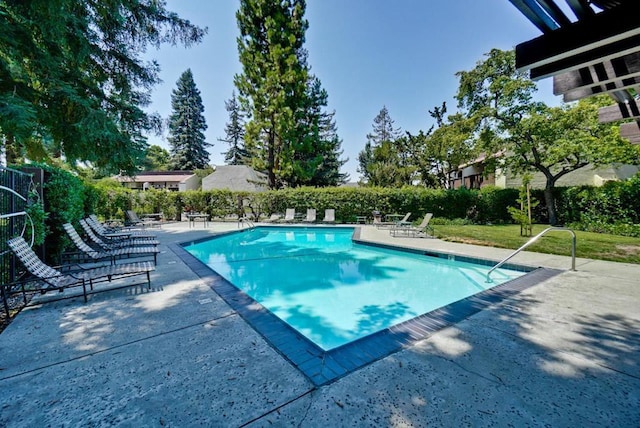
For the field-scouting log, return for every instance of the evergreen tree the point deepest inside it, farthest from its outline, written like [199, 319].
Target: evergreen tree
[383, 129]
[187, 126]
[273, 83]
[316, 150]
[383, 153]
[234, 134]
[72, 81]
[328, 172]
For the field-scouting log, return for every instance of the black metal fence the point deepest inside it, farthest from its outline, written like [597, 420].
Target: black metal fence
[14, 193]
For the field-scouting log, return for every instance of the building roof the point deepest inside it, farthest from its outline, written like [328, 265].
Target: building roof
[156, 177]
[235, 178]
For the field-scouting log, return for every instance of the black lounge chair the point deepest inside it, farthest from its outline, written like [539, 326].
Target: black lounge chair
[115, 243]
[92, 254]
[115, 232]
[52, 278]
[134, 220]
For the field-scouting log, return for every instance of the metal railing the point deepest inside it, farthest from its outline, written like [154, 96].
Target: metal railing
[534, 239]
[242, 221]
[14, 219]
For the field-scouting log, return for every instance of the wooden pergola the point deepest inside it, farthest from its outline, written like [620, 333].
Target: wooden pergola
[598, 52]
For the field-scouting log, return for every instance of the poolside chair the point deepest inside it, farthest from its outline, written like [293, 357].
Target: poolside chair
[377, 221]
[273, 219]
[290, 215]
[54, 279]
[115, 243]
[311, 216]
[115, 232]
[421, 229]
[111, 255]
[329, 216]
[405, 220]
[134, 220]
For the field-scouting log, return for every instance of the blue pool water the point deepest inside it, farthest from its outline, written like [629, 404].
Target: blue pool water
[334, 291]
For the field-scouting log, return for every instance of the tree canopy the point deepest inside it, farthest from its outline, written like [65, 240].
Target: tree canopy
[187, 126]
[286, 132]
[234, 134]
[72, 81]
[382, 162]
[528, 135]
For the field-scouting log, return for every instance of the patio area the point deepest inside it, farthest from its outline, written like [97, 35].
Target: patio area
[565, 352]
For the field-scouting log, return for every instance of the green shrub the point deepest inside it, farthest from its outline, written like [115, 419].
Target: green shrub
[64, 201]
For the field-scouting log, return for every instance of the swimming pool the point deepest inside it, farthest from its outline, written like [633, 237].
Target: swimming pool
[334, 291]
[322, 366]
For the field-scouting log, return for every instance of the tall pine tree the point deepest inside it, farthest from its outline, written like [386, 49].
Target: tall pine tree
[187, 126]
[234, 134]
[272, 85]
[282, 98]
[322, 155]
[375, 159]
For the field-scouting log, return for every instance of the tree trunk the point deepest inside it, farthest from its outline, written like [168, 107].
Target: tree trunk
[11, 150]
[271, 176]
[551, 204]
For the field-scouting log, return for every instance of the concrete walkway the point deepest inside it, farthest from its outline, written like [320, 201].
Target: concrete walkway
[562, 353]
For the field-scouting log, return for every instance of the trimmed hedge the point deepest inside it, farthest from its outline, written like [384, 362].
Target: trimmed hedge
[484, 206]
[612, 208]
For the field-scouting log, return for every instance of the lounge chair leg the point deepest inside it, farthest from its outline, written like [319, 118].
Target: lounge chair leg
[148, 281]
[4, 299]
[84, 289]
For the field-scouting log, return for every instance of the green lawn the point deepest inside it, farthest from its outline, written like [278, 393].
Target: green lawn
[589, 245]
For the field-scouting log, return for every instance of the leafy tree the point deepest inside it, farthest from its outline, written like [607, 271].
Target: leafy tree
[156, 159]
[530, 135]
[187, 126]
[273, 83]
[234, 134]
[447, 147]
[556, 141]
[72, 81]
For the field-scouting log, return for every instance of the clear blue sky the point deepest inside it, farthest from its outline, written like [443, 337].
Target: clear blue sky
[368, 53]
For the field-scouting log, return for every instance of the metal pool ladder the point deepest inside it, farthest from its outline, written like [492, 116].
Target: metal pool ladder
[242, 221]
[534, 239]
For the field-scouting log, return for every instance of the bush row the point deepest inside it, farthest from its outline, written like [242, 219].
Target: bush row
[612, 208]
[485, 206]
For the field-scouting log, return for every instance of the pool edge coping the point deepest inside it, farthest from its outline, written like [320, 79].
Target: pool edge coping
[322, 367]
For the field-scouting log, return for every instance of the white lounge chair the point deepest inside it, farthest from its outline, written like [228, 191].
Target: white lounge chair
[311, 216]
[421, 229]
[289, 215]
[329, 216]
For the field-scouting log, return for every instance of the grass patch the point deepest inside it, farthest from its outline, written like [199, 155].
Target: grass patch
[590, 245]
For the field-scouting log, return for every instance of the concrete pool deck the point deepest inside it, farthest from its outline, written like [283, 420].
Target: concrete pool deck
[565, 352]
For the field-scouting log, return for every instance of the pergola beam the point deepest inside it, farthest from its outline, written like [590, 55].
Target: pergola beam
[614, 26]
[617, 69]
[631, 131]
[620, 111]
[609, 88]
[588, 58]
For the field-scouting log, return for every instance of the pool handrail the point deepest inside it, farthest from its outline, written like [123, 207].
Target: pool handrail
[534, 239]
